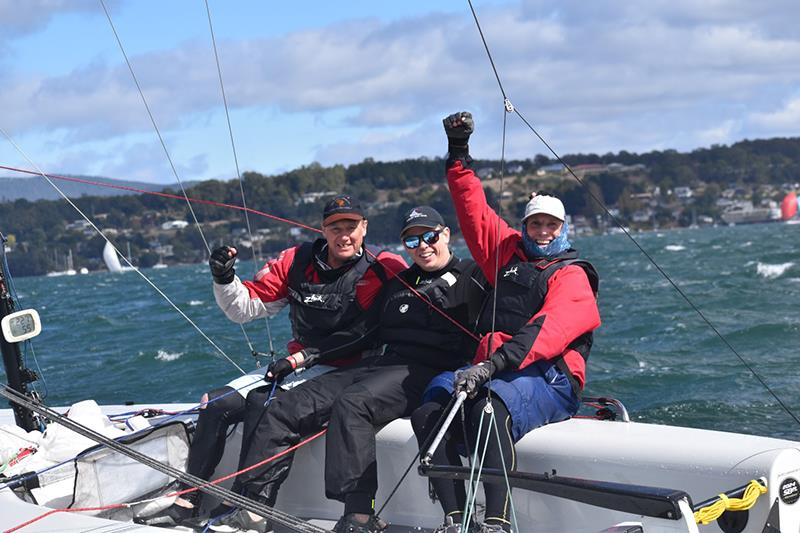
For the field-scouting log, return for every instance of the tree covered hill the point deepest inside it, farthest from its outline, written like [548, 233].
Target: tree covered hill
[44, 232]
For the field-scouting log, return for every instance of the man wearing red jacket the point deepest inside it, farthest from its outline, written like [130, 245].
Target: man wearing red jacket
[535, 341]
[330, 286]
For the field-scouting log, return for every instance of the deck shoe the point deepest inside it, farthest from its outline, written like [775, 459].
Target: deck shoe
[349, 524]
[451, 526]
[495, 525]
[239, 521]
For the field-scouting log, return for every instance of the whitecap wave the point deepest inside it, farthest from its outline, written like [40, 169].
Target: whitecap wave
[765, 270]
[674, 247]
[163, 355]
[195, 302]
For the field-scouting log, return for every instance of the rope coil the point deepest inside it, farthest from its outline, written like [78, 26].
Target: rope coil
[712, 512]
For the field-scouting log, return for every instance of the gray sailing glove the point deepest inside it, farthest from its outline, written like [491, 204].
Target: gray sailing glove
[471, 379]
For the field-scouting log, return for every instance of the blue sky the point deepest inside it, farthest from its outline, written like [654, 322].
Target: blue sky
[337, 82]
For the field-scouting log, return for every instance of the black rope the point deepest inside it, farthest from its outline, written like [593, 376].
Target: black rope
[423, 446]
[284, 519]
[600, 202]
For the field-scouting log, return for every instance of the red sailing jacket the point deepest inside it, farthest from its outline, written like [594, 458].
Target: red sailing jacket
[268, 293]
[570, 308]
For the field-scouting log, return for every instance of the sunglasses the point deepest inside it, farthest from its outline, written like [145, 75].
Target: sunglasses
[429, 237]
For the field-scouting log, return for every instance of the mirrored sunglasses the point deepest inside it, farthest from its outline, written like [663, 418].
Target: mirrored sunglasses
[429, 237]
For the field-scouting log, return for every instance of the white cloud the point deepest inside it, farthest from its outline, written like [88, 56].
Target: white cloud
[784, 120]
[20, 18]
[598, 76]
[719, 134]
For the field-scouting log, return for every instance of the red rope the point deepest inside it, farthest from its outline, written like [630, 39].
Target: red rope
[178, 493]
[428, 302]
[240, 208]
[164, 195]
[251, 467]
[54, 511]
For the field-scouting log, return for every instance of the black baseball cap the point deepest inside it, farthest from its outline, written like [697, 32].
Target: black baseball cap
[424, 216]
[342, 207]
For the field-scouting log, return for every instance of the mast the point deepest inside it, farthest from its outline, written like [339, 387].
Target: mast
[18, 375]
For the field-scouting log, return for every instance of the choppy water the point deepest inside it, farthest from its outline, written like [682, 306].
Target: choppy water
[113, 338]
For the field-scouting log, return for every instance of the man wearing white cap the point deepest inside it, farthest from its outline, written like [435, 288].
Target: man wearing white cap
[535, 341]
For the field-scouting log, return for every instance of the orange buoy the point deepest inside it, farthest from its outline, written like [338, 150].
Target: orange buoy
[789, 206]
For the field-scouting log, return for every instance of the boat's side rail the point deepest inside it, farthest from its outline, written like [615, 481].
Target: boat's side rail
[639, 500]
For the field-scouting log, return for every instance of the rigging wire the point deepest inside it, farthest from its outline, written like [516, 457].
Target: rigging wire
[256, 212]
[164, 195]
[256, 256]
[599, 202]
[99, 232]
[507, 108]
[153, 121]
[285, 519]
[124, 417]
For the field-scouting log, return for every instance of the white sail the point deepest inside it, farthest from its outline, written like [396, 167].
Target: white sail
[111, 259]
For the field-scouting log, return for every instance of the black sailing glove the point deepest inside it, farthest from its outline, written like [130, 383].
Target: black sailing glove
[221, 262]
[458, 127]
[277, 370]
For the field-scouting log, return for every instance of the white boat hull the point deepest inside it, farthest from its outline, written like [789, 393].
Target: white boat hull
[700, 462]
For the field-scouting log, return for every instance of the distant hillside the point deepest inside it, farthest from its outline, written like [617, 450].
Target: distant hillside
[655, 189]
[36, 188]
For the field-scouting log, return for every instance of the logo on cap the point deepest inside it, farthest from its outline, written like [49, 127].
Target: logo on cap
[415, 214]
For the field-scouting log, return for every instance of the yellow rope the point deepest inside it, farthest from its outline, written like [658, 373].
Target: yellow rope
[706, 515]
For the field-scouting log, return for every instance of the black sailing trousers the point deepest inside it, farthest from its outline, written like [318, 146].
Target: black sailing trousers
[225, 407]
[354, 400]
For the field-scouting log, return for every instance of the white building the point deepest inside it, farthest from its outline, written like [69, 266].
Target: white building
[174, 224]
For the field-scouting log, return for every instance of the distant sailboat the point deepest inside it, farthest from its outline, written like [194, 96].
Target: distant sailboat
[70, 271]
[111, 259]
[161, 263]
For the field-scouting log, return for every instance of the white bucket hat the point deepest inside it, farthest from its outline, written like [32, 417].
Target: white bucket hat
[541, 203]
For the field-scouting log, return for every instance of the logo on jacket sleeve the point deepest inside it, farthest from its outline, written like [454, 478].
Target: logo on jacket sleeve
[403, 308]
[510, 272]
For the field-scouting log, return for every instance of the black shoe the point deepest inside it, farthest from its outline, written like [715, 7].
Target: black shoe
[348, 524]
[239, 521]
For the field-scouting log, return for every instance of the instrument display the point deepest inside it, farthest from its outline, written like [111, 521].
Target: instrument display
[21, 326]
